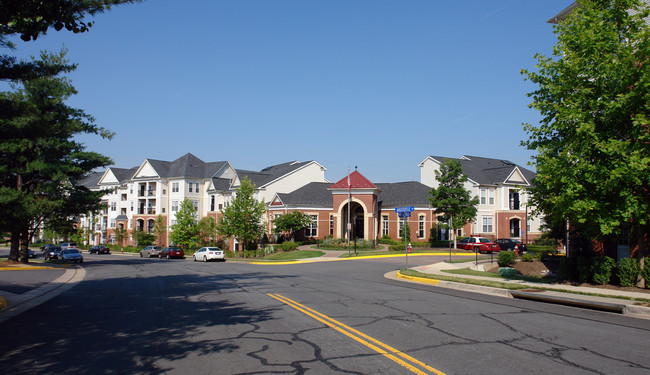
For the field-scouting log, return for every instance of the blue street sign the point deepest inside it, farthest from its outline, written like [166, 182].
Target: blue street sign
[404, 209]
[404, 214]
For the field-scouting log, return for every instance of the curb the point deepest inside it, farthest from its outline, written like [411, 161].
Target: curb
[622, 308]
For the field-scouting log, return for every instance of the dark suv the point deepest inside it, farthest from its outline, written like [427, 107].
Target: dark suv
[99, 250]
[511, 245]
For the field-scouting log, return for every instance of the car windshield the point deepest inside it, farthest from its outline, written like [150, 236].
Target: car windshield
[55, 248]
[214, 249]
[173, 249]
[70, 251]
[484, 240]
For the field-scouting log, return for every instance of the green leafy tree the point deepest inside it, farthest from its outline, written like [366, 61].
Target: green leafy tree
[185, 233]
[41, 162]
[450, 198]
[160, 229]
[120, 235]
[242, 218]
[593, 142]
[207, 231]
[292, 222]
[143, 238]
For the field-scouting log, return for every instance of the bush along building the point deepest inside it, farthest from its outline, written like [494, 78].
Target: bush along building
[136, 197]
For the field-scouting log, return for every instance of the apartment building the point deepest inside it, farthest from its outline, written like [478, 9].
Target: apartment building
[503, 210]
[137, 196]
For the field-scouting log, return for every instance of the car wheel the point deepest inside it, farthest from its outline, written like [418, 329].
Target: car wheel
[476, 249]
[194, 258]
[205, 259]
[168, 257]
[140, 255]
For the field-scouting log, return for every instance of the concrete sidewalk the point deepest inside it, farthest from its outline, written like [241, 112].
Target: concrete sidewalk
[611, 300]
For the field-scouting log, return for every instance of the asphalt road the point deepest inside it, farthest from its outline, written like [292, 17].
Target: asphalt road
[153, 316]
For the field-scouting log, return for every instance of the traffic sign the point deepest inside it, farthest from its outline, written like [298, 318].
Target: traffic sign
[404, 214]
[404, 209]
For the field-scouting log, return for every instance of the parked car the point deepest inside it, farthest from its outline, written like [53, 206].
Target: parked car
[31, 253]
[150, 251]
[68, 245]
[209, 253]
[478, 244]
[101, 249]
[511, 245]
[71, 255]
[52, 252]
[171, 252]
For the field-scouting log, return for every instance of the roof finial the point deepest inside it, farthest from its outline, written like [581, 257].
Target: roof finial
[355, 168]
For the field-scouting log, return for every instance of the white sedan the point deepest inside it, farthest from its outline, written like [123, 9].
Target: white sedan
[209, 253]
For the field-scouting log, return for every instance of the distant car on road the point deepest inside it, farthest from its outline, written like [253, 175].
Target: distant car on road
[68, 245]
[71, 255]
[52, 252]
[209, 253]
[511, 245]
[150, 251]
[478, 244]
[99, 250]
[31, 253]
[171, 252]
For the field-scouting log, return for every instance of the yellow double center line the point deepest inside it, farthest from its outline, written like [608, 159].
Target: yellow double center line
[393, 354]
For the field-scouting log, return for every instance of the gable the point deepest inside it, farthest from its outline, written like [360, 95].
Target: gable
[146, 170]
[108, 178]
[516, 177]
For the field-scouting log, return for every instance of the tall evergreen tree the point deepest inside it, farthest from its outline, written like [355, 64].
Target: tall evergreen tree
[450, 198]
[593, 142]
[40, 161]
[29, 19]
[242, 218]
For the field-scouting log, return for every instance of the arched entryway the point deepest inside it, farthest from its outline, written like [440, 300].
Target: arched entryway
[357, 218]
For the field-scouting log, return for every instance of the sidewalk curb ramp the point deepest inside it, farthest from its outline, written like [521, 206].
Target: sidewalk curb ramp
[560, 298]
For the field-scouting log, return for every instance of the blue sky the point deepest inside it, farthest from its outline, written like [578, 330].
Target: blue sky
[375, 84]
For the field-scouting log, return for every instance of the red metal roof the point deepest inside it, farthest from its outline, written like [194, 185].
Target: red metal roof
[357, 181]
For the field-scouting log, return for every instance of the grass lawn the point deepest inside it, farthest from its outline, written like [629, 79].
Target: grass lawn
[296, 254]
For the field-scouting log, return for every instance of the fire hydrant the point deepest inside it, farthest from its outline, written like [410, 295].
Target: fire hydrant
[409, 247]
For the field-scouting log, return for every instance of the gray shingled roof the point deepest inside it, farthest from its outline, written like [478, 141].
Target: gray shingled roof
[123, 174]
[92, 180]
[221, 184]
[271, 173]
[187, 165]
[316, 194]
[411, 193]
[486, 171]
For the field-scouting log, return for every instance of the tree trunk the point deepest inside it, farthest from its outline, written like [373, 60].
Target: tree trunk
[15, 246]
[642, 239]
[24, 242]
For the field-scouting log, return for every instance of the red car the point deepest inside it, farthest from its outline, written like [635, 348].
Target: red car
[478, 244]
[171, 252]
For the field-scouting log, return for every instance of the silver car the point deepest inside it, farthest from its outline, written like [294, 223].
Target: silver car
[150, 251]
[71, 255]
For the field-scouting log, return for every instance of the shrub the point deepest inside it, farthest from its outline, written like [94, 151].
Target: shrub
[569, 268]
[602, 269]
[529, 257]
[506, 258]
[645, 271]
[584, 269]
[627, 271]
[289, 245]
